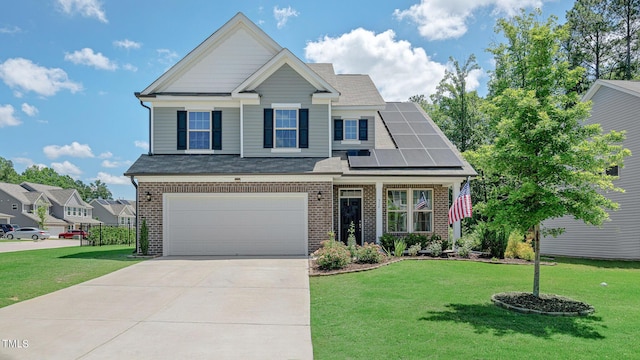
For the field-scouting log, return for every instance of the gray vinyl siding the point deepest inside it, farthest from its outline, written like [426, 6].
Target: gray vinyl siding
[165, 131]
[371, 136]
[620, 237]
[286, 86]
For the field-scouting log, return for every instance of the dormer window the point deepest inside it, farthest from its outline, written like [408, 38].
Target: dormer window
[199, 130]
[351, 130]
[286, 128]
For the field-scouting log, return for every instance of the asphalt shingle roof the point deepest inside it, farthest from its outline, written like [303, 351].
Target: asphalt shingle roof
[230, 164]
[355, 89]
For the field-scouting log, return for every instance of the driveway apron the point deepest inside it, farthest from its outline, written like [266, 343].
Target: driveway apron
[170, 308]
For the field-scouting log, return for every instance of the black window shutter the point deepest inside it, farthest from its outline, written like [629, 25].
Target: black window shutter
[268, 128]
[303, 134]
[182, 130]
[364, 131]
[216, 144]
[337, 130]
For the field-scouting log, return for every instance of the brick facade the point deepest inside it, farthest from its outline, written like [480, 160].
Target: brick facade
[319, 211]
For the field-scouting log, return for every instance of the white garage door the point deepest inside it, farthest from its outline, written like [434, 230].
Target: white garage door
[235, 224]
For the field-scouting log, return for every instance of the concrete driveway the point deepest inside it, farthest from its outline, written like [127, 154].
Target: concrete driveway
[10, 246]
[170, 308]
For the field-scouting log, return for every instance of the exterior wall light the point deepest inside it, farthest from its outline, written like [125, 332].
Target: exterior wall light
[319, 195]
[148, 196]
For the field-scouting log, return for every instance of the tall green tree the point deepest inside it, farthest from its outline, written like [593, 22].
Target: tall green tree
[7, 173]
[590, 27]
[457, 107]
[550, 163]
[99, 190]
[626, 15]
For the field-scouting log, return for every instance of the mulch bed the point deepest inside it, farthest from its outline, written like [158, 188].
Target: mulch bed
[353, 267]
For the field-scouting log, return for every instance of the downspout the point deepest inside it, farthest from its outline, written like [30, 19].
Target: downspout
[137, 201]
[149, 109]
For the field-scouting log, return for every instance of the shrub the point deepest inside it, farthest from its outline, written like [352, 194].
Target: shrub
[332, 255]
[369, 254]
[414, 249]
[398, 247]
[435, 248]
[414, 238]
[351, 239]
[492, 241]
[144, 238]
[387, 241]
[465, 245]
[519, 248]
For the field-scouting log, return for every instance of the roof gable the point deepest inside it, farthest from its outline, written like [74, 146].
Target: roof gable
[227, 57]
[625, 86]
[286, 57]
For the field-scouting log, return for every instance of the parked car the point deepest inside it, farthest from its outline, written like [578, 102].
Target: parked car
[5, 228]
[28, 232]
[71, 233]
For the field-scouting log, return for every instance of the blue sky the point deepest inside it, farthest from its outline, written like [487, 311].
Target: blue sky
[69, 68]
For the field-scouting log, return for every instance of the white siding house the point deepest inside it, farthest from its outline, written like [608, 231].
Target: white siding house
[616, 106]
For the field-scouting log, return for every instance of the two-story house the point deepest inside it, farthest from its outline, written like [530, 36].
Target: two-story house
[22, 205]
[254, 152]
[114, 212]
[66, 204]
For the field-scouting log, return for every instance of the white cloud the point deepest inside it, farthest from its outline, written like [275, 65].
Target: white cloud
[10, 30]
[7, 117]
[130, 67]
[75, 150]
[87, 57]
[127, 44]
[447, 19]
[27, 163]
[398, 69]
[67, 168]
[87, 8]
[115, 164]
[29, 109]
[27, 76]
[167, 57]
[283, 15]
[112, 179]
[106, 155]
[141, 144]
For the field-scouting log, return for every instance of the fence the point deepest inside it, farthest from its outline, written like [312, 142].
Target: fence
[99, 235]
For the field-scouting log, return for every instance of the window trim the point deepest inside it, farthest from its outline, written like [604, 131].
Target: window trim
[189, 130]
[410, 210]
[282, 106]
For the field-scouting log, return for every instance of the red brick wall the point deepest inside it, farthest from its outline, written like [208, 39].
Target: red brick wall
[319, 212]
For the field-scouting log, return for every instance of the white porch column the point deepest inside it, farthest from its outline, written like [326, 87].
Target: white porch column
[456, 225]
[378, 211]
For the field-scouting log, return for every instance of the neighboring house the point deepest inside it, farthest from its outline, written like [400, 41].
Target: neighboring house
[616, 106]
[66, 204]
[114, 212]
[5, 218]
[254, 152]
[22, 204]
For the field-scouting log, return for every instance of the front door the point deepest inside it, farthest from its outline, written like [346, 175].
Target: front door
[351, 212]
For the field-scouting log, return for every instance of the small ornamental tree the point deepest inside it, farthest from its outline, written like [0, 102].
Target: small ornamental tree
[144, 238]
[548, 162]
[42, 211]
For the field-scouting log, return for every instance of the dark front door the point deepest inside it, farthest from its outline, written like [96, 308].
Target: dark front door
[351, 212]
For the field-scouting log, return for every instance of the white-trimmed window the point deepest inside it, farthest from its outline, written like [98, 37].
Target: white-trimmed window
[410, 210]
[199, 123]
[351, 129]
[68, 211]
[286, 128]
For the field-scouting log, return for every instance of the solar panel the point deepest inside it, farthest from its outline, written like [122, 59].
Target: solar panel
[419, 143]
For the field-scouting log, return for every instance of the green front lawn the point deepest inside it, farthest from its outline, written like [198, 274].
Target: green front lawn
[442, 310]
[27, 274]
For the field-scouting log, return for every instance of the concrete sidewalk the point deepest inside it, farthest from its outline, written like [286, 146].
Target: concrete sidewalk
[170, 308]
[20, 245]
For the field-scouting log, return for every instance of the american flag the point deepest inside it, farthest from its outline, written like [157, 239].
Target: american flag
[461, 207]
[422, 203]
